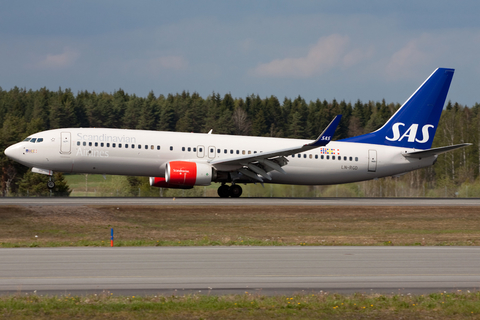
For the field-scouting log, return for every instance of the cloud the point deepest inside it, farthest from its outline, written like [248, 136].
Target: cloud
[405, 62]
[326, 54]
[58, 61]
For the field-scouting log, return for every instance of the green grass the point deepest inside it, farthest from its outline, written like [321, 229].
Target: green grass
[92, 185]
[245, 306]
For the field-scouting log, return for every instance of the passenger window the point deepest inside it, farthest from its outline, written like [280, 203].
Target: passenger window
[133, 146]
[218, 150]
[84, 143]
[299, 155]
[231, 151]
[151, 147]
[321, 157]
[356, 158]
[146, 147]
[254, 151]
[316, 156]
[238, 151]
[293, 156]
[113, 145]
[158, 147]
[305, 156]
[119, 145]
[339, 158]
[200, 149]
[333, 157]
[126, 145]
[39, 140]
[108, 145]
[101, 144]
[96, 144]
[310, 156]
[183, 148]
[194, 149]
[225, 151]
[33, 140]
[243, 151]
[249, 152]
[344, 158]
[211, 150]
[189, 149]
[78, 143]
[171, 148]
[89, 144]
[139, 146]
[328, 157]
[350, 158]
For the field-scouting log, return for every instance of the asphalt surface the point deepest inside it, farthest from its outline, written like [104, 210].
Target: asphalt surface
[220, 270]
[244, 201]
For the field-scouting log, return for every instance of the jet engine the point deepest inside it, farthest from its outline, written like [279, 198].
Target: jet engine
[184, 175]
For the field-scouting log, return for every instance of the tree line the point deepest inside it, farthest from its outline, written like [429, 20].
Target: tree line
[24, 112]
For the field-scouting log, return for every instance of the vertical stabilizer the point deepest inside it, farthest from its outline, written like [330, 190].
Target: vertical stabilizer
[415, 122]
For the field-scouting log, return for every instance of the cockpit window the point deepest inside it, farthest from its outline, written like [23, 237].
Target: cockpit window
[39, 140]
[27, 139]
[33, 140]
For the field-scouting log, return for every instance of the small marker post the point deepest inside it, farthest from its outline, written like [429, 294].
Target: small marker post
[111, 238]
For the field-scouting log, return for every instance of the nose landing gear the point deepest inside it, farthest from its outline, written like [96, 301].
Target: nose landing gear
[51, 183]
[233, 191]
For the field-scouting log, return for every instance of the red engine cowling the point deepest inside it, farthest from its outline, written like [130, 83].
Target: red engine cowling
[160, 183]
[181, 174]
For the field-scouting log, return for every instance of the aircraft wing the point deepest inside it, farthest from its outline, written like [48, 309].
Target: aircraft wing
[256, 164]
[433, 151]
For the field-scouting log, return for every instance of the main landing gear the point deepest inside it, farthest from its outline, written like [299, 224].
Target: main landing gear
[233, 191]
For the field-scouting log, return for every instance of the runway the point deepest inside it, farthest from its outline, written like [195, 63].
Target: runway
[73, 201]
[220, 270]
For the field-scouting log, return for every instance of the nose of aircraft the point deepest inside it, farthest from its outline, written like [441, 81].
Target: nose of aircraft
[11, 151]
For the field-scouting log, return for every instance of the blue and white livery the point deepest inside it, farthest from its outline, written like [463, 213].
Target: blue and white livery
[185, 160]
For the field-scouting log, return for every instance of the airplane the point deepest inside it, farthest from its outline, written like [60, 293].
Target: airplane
[184, 160]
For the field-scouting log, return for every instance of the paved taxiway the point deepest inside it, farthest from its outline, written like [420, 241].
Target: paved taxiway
[243, 201]
[152, 270]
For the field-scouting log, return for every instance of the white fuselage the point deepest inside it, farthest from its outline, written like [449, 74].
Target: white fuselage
[145, 153]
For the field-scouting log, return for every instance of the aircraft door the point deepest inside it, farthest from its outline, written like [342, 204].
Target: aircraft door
[372, 160]
[65, 143]
[200, 151]
[211, 152]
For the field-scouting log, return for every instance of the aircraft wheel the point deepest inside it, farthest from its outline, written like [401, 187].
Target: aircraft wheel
[235, 191]
[50, 184]
[223, 191]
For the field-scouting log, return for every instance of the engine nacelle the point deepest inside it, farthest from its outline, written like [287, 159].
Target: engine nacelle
[160, 183]
[184, 174]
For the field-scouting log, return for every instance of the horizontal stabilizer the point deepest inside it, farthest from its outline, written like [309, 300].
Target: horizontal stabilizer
[434, 151]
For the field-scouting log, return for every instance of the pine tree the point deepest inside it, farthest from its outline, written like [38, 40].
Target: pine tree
[34, 184]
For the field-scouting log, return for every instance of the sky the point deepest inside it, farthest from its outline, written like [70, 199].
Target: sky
[344, 50]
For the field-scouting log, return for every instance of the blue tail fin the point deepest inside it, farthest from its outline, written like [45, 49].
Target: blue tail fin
[415, 123]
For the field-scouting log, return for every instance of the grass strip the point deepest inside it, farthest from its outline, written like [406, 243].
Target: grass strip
[459, 305]
[53, 226]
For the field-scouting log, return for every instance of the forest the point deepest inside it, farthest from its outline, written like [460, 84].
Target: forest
[23, 112]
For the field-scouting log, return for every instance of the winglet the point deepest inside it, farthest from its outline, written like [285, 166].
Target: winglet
[327, 134]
